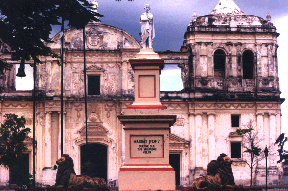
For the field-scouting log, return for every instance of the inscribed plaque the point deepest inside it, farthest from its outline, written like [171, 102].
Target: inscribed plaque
[146, 146]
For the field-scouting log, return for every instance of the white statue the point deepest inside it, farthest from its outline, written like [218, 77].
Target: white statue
[147, 28]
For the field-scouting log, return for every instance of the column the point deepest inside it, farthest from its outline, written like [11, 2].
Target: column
[123, 147]
[273, 137]
[270, 63]
[211, 135]
[59, 136]
[260, 129]
[118, 141]
[197, 70]
[124, 76]
[192, 140]
[210, 62]
[48, 139]
[199, 140]
[40, 141]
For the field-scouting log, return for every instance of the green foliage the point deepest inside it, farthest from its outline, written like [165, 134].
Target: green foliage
[250, 144]
[12, 146]
[244, 131]
[26, 24]
[250, 139]
[255, 150]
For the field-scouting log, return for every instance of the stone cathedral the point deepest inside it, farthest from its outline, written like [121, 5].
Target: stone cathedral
[229, 71]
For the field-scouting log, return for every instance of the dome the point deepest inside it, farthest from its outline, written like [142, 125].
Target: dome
[228, 14]
[227, 7]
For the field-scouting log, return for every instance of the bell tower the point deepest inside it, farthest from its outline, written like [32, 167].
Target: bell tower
[233, 55]
[233, 79]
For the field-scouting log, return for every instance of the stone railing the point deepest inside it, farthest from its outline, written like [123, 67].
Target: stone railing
[221, 28]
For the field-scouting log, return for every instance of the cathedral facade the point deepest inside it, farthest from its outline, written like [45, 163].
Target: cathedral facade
[229, 71]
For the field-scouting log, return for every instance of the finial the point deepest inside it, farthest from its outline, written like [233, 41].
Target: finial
[194, 16]
[268, 17]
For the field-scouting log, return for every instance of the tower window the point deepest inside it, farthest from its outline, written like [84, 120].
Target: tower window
[219, 63]
[235, 120]
[93, 85]
[248, 64]
[236, 150]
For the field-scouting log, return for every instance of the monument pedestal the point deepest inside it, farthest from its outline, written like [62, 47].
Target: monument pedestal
[48, 176]
[147, 180]
[147, 155]
[147, 129]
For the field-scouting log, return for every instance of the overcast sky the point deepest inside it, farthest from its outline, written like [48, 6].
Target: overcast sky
[173, 16]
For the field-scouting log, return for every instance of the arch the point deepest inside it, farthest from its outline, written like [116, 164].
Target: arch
[94, 160]
[248, 64]
[219, 63]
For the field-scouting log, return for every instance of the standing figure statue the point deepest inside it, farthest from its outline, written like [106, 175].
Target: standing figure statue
[147, 29]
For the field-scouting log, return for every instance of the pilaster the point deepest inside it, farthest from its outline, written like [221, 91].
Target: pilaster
[199, 139]
[273, 130]
[192, 139]
[48, 139]
[211, 135]
[260, 130]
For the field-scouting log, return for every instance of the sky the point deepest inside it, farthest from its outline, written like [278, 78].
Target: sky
[172, 18]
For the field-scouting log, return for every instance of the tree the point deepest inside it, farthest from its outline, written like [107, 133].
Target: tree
[26, 25]
[281, 140]
[251, 146]
[12, 146]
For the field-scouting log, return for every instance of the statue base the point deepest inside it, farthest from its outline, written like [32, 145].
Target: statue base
[48, 176]
[147, 156]
[147, 54]
[147, 178]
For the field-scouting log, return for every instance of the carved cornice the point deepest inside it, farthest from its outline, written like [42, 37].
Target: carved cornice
[102, 140]
[178, 106]
[235, 105]
[96, 68]
[177, 142]
[15, 105]
[204, 105]
[94, 129]
[267, 105]
[52, 103]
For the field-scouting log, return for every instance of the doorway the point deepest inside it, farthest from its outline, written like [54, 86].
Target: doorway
[20, 174]
[174, 161]
[94, 160]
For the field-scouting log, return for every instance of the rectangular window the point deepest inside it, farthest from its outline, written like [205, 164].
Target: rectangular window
[93, 85]
[236, 150]
[235, 120]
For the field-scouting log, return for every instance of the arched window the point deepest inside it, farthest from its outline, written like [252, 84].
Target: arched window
[219, 63]
[248, 64]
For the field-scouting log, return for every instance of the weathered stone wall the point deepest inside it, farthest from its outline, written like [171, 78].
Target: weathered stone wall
[203, 128]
